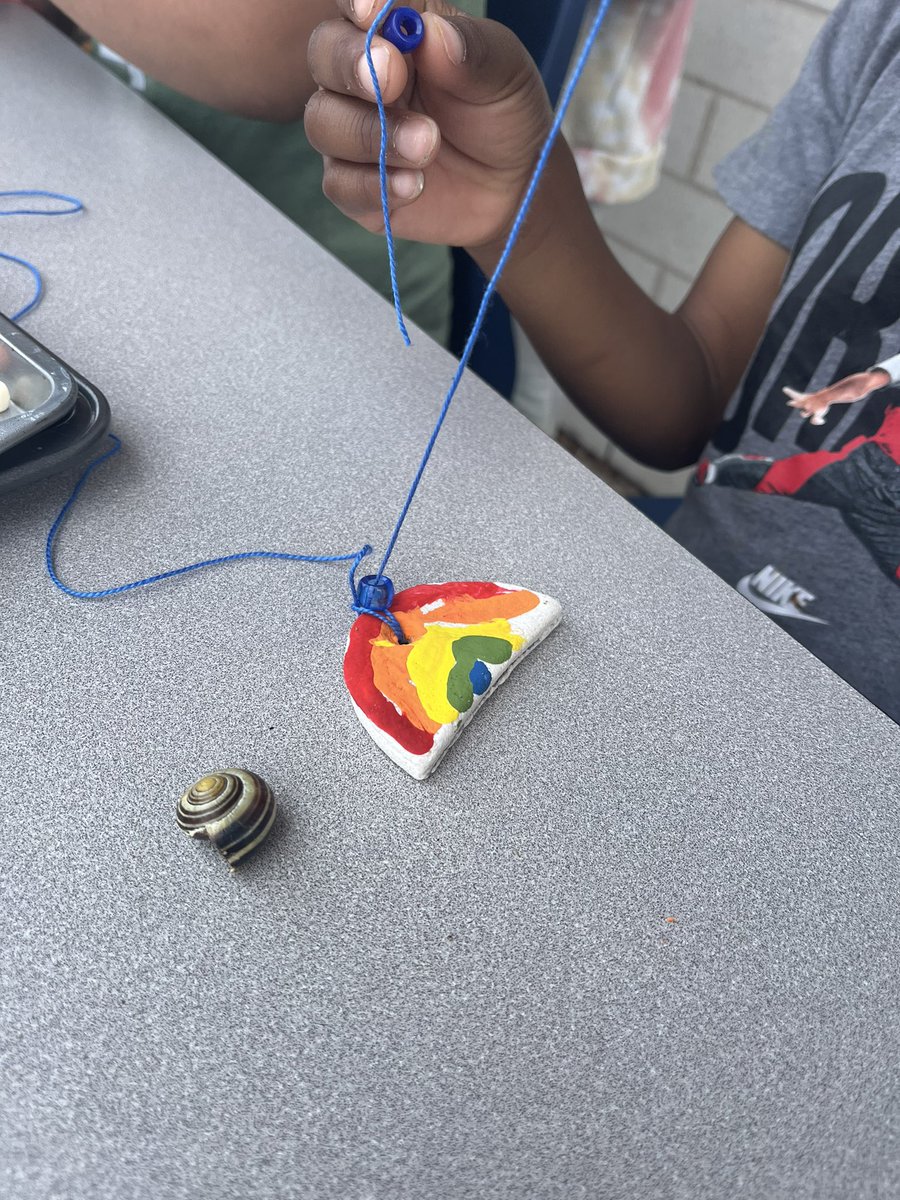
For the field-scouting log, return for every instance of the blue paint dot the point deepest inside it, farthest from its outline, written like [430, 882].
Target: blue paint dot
[480, 678]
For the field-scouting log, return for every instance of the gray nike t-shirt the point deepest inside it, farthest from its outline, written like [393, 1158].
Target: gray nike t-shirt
[812, 537]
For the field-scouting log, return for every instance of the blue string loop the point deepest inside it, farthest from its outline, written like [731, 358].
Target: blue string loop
[50, 548]
[382, 172]
[366, 605]
[371, 596]
[514, 233]
[74, 206]
[374, 593]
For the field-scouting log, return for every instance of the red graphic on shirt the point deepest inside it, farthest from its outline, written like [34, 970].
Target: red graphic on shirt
[861, 480]
[788, 475]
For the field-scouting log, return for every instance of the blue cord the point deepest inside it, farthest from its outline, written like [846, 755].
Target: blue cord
[50, 548]
[38, 285]
[382, 172]
[504, 257]
[75, 205]
[356, 559]
[358, 606]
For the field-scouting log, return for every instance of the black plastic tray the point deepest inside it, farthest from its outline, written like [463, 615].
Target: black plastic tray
[41, 387]
[60, 445]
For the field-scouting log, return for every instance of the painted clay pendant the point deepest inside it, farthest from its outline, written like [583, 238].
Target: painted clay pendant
[463, 640]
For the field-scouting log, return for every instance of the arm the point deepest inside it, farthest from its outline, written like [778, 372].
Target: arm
[815, 406]
[246, 56]
[656, 382]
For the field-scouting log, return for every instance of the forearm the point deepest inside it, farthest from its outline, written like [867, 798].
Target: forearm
[656, 382]
[638, 371]
[244, 56]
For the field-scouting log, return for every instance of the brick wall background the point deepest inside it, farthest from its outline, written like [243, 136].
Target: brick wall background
[743, 56]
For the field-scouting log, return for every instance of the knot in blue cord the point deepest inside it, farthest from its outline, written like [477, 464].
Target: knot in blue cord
[372, 597]
[374, 594]
[511, 240]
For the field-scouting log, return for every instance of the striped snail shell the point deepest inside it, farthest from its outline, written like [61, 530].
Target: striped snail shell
[232, 809]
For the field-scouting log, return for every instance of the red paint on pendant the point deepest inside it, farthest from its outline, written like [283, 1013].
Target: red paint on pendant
[359, 673]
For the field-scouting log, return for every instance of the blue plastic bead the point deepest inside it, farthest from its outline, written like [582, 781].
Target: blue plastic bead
[375, 592]
[405, 29]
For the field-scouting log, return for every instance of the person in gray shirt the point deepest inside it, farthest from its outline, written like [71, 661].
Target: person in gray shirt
[780, 360]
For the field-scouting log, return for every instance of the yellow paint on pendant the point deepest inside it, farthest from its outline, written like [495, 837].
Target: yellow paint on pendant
[390, 674]
[431, 660]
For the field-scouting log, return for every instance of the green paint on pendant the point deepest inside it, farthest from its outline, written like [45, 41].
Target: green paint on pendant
[467, 652]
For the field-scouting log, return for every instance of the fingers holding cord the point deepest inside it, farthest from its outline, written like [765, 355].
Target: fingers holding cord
[349, 129]
[356, 191]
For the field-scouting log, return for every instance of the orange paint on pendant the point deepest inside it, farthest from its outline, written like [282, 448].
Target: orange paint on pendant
[390, 674]
[464, 610]
[475, 612]
[412, 623]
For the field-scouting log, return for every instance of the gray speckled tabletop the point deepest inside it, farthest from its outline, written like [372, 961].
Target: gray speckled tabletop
[463, 989]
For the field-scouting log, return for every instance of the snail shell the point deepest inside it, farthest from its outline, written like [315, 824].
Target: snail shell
[232, 809]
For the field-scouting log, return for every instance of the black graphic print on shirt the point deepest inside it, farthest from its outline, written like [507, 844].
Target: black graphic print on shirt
[835, 314]
[859, 474]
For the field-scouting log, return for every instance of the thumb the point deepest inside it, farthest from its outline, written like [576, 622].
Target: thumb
[478, 61]
[473, 60]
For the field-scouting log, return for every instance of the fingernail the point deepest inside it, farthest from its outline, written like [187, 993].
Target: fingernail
[407, 185]
[414, 138]
[453, 41]
[362, 9]
[381, 60]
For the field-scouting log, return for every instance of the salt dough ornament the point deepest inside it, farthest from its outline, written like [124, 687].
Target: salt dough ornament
[463, 640]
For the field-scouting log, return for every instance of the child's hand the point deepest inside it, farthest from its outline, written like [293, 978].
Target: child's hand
[467, 114]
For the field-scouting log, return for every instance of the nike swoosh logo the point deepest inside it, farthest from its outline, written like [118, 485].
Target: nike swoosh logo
[775, 610]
